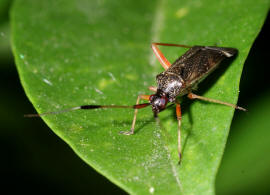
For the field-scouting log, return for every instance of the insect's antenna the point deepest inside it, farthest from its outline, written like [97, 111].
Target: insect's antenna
[88, 107]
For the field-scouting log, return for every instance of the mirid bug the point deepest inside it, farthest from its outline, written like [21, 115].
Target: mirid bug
[178, 79]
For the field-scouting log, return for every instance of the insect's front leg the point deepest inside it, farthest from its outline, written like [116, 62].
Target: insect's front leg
[131, 131]
[152, 88]
[179, 118]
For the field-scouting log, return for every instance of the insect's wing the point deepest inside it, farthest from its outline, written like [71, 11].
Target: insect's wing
[198, 62]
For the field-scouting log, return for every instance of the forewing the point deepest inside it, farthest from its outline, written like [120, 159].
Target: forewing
[198, 62]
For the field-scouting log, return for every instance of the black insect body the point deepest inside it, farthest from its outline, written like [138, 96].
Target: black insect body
[178, 79]
[188, 70]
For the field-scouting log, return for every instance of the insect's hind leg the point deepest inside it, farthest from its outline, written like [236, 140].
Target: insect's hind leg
[194, 96]
[161, 58]
[173, 45]
[131, 131]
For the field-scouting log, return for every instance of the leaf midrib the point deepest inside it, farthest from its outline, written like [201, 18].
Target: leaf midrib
[156, 28]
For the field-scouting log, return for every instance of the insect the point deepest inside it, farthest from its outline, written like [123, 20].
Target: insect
[178, 79]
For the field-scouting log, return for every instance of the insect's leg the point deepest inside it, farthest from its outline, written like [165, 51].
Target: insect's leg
[194, 96]
[131, 131]
[152, 88]
[161, 58]
[173, 45]
[179, 117]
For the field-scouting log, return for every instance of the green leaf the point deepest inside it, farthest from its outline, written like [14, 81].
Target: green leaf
[71, 53]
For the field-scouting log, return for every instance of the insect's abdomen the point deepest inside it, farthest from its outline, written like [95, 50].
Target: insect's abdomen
[198, 62]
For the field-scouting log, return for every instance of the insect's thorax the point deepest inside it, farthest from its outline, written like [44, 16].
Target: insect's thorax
[170, 84]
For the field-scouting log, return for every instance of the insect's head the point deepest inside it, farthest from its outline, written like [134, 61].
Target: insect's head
[158, 102]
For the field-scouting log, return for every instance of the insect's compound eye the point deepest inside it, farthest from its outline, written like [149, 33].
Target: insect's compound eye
[163, 101]
[159, 102]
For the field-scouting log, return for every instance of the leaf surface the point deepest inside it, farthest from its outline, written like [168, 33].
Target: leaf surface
[71, 53]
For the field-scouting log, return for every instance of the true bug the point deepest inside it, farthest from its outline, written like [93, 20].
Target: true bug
[178, 79]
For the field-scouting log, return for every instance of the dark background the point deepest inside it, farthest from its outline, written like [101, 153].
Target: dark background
[35, 161]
